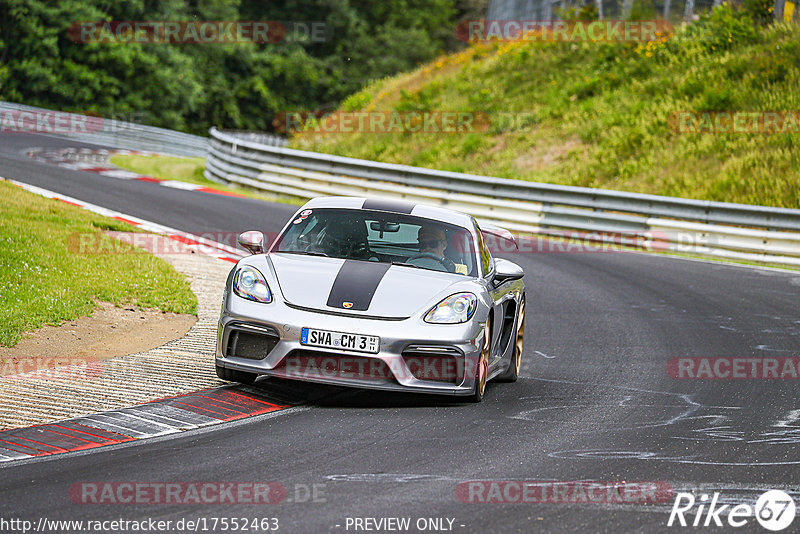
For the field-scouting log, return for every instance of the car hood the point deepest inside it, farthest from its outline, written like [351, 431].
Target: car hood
[372, 288]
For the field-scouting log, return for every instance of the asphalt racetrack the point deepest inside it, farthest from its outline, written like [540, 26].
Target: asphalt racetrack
[595, 402]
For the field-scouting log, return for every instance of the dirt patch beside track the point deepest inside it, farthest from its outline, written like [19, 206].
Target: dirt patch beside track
[109, 332]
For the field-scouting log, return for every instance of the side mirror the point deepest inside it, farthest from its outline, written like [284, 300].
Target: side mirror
[506, 271]
[253, 241]
[488, 229]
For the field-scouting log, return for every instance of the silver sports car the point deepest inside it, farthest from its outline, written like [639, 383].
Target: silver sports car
[377, 294]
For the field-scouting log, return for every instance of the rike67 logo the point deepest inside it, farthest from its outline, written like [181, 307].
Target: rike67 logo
[774, 510]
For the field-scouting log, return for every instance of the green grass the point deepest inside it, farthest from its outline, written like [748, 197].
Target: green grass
[597, 114]
[166, 167]
[188, 170]
[44, 280]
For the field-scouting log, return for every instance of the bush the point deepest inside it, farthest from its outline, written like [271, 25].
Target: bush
[761, 11]
[724, 28]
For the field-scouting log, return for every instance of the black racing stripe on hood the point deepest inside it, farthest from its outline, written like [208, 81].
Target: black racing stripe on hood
[356, 284]
[396, 206]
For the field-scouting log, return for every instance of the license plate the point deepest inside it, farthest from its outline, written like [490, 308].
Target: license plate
[339, 340]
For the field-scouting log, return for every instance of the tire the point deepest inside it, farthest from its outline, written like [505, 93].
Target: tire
[482, 369]
[512, 373]
[232, 375]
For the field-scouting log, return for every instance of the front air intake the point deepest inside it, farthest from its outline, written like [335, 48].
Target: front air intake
[435, 363]
[250, 345]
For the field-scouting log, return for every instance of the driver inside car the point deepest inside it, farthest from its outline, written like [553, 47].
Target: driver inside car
[344, 238]
[432, 243]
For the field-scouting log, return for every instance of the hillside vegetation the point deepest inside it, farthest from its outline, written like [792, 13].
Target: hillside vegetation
[599, 114]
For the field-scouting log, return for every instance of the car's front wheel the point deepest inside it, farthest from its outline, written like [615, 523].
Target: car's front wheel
[482, 368]
[232, 375]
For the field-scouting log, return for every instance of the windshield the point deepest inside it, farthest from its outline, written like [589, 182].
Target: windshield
[380, 237]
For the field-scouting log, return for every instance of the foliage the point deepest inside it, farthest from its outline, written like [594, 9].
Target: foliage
[761, 11]
[599, 114]
[578, 13]
[191, 87]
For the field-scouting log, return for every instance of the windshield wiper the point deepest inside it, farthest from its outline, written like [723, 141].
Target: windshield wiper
[303, 252]
[402, 264]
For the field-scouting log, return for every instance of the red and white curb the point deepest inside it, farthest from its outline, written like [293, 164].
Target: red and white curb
[97, 161]
[155, 418]
[192, 241]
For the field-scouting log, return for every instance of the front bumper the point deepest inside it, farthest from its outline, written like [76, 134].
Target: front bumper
[413, 355]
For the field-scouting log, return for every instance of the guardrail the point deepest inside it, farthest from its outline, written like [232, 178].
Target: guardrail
[259, 137]
[97, 130]
[726, 230]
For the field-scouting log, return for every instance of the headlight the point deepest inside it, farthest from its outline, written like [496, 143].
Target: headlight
[457, 308]
[249, 284]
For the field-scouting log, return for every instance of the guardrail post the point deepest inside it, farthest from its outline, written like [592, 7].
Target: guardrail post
[627, 8]
[779, 9]
[688, 13]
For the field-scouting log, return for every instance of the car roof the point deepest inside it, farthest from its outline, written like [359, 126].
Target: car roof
[394, 206]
